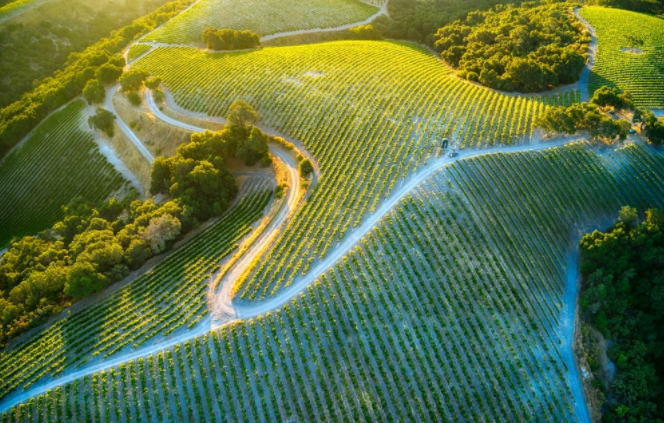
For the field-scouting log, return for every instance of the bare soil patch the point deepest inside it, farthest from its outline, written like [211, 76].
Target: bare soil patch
[160, 138]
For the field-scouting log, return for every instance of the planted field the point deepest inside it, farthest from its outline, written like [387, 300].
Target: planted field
[629, 56]
[370, 113]
[263, 17]
[170, 296]
[137, 49]
[449, 310]
[57, 163]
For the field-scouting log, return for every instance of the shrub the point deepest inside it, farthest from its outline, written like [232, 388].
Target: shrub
[103, 121]
[134, 98]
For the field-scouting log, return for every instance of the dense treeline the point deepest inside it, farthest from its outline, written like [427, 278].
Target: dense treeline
[17, 119]
[525, 48]
[418, 20]
[95, 246]
[622, 295]
[588, 117]
[230, 39]
[37, 43]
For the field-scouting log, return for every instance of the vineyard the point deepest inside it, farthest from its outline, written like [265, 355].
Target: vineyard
[164, 299]
[263, 17]
[370, 112]
[57, 163]
[137, 49]
[449, 310]
[630, 57]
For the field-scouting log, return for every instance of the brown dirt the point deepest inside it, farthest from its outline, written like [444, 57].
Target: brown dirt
[130, 156]
[311, 38]
[160, 138]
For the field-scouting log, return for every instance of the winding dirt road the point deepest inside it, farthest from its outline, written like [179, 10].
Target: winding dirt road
[223, 310]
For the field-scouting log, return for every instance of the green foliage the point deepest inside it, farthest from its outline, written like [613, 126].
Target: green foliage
[158, 96]
[229, 39]
[525, 48]
[102, 120]
[108, 73]
[94, 92]
[623, 296]
[20, 117]
[133, 80]
[365, 32]
[607, 96]
[95, 246]
[305, 168]
[168, 297]
[582, 116]
[652, 127]
[134, 98]
[628, 215]
[153, 82]
[58, 162]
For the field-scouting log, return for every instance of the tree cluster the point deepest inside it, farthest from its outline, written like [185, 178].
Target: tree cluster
[612, 97]
[91, 248]
[582, 116]
[102, 120]
[196, 176]
[365, 32]
[526, 48]
[622, 295]
[651, 126]
[98, 62]
[230, 39]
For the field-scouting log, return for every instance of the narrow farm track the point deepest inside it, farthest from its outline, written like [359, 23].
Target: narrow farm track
[108, 104]
[582, 83]
[381, 11]
[226, 311]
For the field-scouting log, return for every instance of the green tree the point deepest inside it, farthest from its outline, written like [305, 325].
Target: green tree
[153, 83]
[305, 168]
[133, 80]
[84, 280]
[242, 114]
[108, 73]
[103, 121]
[628, 215]
[94, 92]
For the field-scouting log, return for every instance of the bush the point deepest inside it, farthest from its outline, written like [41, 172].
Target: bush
[94, 92]
[103, 121]
[134, 98]
[158, 96]
[365, 32]
[305, 168]
[229, 39]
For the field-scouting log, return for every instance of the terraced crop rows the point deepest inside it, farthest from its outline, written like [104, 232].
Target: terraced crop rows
[639, 71]
[57, 163]
[449, 310]
[137, 49]
[368, 111]
[170, 296]
[263, 17]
